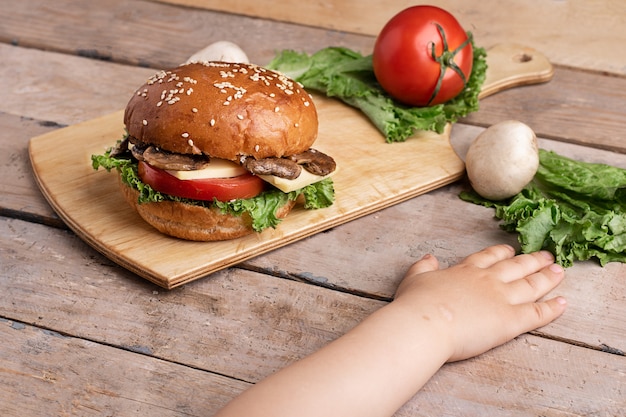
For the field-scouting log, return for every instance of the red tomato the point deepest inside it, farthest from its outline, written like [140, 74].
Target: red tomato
[422, 56]
[223, 189]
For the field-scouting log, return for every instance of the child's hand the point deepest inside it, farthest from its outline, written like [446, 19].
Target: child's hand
[437, 316]
[486, 300]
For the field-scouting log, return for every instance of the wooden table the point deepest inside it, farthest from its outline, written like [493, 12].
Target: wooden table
[82, 336]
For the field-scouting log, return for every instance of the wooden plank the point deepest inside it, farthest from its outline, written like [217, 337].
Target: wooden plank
[139, 33]
[512, 380]
[20, 194]
[237, 324]
[44, 373]
[33, 264]
[81, 89]
[594, 30]
[234, 322]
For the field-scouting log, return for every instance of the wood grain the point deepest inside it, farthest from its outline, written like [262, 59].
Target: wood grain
[238, 324]
[20, 195]
[559, 109]
[140, 33]
[586, 110]
[91, 203]
[82, 336]
[41, 384]
[540, 24]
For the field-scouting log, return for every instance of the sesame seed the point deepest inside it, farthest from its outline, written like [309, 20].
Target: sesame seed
[276, 109]
[194, 110]
[144, 122]
[256, 148]
[240, 117]
[190, 142]
[297, 124]
[185, 135]
[212, 122]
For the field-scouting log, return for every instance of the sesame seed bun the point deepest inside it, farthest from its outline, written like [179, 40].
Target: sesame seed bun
[224, 110]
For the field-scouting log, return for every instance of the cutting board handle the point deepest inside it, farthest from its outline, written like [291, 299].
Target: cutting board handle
[512, 65]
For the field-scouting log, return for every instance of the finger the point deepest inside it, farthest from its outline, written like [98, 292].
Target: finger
[521, 266]
[534, 286]
[490, 256]
[428, 263]
[534, 315]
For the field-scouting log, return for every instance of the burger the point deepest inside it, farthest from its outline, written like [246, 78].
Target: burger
[216, 150]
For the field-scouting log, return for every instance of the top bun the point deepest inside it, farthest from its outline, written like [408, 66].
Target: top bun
[224, 110]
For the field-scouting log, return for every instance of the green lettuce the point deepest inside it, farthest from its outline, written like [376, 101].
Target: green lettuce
[576, 210]
[262, 208]
[349, 76]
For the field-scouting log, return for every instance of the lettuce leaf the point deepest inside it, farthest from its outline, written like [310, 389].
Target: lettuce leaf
[575, 209]
[349, 76]
[262, 208]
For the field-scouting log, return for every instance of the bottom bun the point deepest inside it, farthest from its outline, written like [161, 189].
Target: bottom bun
[189, 222]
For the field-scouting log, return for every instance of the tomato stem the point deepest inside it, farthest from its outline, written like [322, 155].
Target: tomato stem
[446, 60]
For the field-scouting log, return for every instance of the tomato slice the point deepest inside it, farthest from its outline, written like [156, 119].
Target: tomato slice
[222, 189]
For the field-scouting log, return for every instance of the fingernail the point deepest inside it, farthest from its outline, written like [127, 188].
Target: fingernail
[546, 254]
[556, 268]
[509, 247]
[561, 300]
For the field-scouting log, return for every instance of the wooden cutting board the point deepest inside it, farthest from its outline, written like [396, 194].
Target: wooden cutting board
[372, 175]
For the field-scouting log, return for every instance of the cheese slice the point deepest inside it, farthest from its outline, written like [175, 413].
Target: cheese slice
[217, 168]
[305, 178]
[222, 168]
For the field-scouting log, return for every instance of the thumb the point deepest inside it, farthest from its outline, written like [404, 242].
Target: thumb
[428, 263]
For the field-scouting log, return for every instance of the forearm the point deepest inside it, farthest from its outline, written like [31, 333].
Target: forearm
[370, 371]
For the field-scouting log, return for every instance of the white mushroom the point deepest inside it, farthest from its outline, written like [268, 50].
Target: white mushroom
[502, 160]
[220, 51]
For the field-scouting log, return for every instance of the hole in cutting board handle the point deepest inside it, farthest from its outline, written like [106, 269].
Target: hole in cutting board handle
[523, 57]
